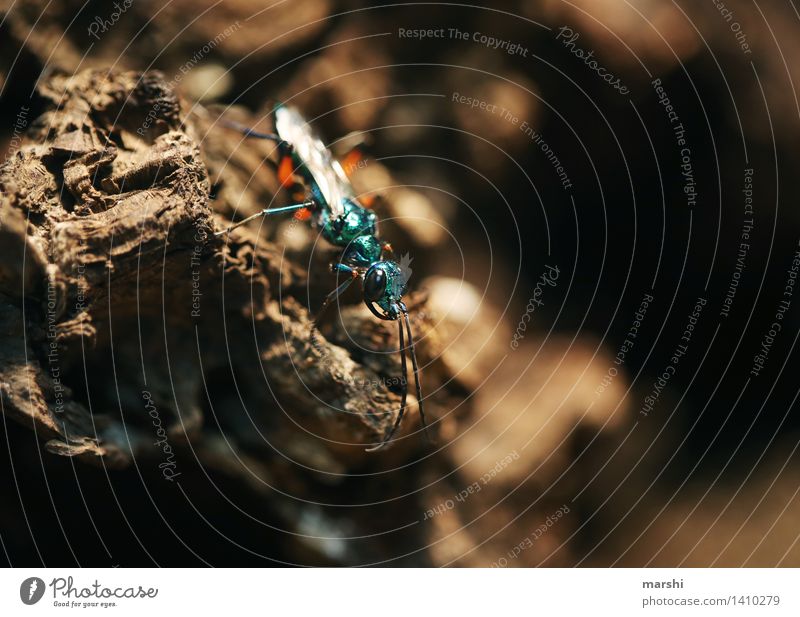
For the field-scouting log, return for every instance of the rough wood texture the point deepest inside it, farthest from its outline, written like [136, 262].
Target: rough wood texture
[111, 205]
[184, 365]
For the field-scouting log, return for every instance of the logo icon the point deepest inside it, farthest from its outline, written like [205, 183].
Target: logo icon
[405, 265]
[31, 590]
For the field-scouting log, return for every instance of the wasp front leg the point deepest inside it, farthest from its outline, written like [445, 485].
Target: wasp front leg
[339, 268]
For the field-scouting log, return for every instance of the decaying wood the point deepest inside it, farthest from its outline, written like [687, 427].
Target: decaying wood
[134, 338]
[110, 202]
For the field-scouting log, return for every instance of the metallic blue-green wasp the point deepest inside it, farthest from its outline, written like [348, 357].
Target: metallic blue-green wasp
[325, 196]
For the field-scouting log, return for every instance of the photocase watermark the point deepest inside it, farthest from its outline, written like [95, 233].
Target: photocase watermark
[627, 344]
[512, 48]
[20, 123]
[53, 361]
[195, 262]
[744, 244]
[548, 152]
[66, 594]
[568, 37]
[735, 26]
[31, 590]
[102, 25]
[785, 303]
[508, 116]
[326, 362]
[472, 489]
[169, 466]
[184, 70]
[353, 166]
[529, 540]
[687, 170]
[547, 279]
[80, 293]
[79, 272]
[678, 353]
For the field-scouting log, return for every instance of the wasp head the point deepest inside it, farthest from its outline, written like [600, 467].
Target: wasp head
[384, 285]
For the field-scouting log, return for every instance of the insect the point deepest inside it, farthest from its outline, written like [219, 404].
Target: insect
[325, 196]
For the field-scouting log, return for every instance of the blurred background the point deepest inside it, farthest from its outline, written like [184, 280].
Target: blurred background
[599, 198]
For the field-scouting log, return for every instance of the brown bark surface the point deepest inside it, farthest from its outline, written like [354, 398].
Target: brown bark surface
[123, 313]
[116, 229]
[162, 395]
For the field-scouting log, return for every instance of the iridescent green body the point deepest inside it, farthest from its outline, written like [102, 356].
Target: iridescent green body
[363, 251]
[355, 222]
[344, 222]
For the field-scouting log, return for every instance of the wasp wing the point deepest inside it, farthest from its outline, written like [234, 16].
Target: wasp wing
[320, 166]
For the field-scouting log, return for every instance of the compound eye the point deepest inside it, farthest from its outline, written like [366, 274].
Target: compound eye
[374, 284]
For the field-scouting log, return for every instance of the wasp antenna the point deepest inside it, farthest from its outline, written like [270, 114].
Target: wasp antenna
[404, 395]
[413, 354]
[200, 110]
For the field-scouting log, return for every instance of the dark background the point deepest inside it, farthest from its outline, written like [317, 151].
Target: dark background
[711, 474]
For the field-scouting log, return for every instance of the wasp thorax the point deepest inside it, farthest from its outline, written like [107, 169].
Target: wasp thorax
[355, 222]
[363, 251]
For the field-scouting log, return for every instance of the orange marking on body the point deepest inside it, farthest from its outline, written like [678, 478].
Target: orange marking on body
[286, 172]
[351, 161]
[367, 201]
[303, 215]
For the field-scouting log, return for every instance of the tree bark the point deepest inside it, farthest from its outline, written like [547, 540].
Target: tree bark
[113, 285]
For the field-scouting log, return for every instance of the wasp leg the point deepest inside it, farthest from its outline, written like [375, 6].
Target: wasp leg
[387, 248]
[334, 295]
[266, 212]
